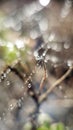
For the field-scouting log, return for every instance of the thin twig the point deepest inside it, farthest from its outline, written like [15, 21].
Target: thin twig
[43, 79]
[43, 96]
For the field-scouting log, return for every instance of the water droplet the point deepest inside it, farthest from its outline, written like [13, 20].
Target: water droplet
[26, 82]
[24, 75]
[11, 107]
[54, 59]
[69, 63]
[37, 64]
[60, 87]
[4, 74]
[45, 61]
[44, 54]
[31, 74]
[29, 85]
[19, 103]
[22, 98]
[66, 8]
[8, 70]
[2, 77]
[48, 47]
[8, 83]
[66, 45]
[35, 54]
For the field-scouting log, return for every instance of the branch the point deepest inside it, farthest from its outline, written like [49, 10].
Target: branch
[43, 96]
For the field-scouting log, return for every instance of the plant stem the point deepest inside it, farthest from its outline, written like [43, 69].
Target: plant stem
[43, 96]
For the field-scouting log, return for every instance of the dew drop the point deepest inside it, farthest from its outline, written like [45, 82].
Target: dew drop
[60, 87]
[31, 74]
[8, 70]
[29, 85]
[48, 47]
[8, 83]
[45, 61]
[22, 98]
[69, 63]
[35, 54]
[19, 103]
[66, 45]
[24, 75]
[26, 82]
[11, 107]
[44, 54]
[4, 75]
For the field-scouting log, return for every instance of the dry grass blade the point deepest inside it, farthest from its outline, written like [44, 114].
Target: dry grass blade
[43, 79]
[43, 96]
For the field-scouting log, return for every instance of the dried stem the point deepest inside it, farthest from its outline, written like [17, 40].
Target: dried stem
[43, 96]
[43, 79]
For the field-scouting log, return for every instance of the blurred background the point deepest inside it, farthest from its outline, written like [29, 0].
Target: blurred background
[32, 19]
[24, 26]
[33, 22]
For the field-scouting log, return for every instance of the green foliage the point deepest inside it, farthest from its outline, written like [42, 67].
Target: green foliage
[43, 128]
[8, 54]
[56, 126]
[11, 56]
